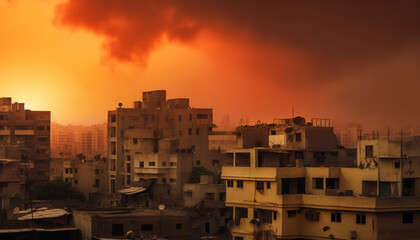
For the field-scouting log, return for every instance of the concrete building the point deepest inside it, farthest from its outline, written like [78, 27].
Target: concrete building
[207, 201]
[310, 144]
[89, 177]
[69, 140]
[271, 201]
[170, 224]
[157, 139]
[20, 126]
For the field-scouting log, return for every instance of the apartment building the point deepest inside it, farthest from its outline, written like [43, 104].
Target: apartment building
[310, 143]
[272, 201]
[207, 200]
[30, 129]
[69, 140]
[86, 176]
[157, 139]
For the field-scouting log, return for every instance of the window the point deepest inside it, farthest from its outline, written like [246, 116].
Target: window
[128, 179]
[151, 164]
[222, 196]
[369, 151]
[291, 214]
[197, 131]
[268, 185]
[179, 118]
[260, 185]
[317, 183]
[312, 215]
[180, 133]
[67, 170]
[332, 183]
[178, 226]
[135, 140]
[361, 218]
[298, 137]
[197, 163]
[210, 196]
[215, 163]
[290, 137]
[164, 180]
[239, 184]
[207, 227]
[142, 164]
[242, 212]
[147, 227]
[113, 118]
[75, 181]
[229, 183]
[128, 167]
[202, 116]
[189, 131]
[172, 164]
[118, 229]
[335, 217]
[273, 132]
[163, 164]
[397, 164]
[128, 158]
[75, 170]
[407, 217]
[172, 180]
[190, 117]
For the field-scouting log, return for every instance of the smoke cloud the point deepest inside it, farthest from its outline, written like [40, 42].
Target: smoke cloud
[353, 56]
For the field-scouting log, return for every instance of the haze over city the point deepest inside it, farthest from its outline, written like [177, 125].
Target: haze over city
[347, 61]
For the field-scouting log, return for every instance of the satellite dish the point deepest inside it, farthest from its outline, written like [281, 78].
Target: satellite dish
[130, 235]
[161, 207]
[16, 210]
[119, 104]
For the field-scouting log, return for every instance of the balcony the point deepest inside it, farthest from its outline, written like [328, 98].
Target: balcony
[249, 173]
[24, 132]
[4, 132]
[139, 133]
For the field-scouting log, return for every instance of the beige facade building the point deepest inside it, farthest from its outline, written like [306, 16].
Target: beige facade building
[89, 177]
[158, 139]
[31, 129]
[207, 200]
[273, 201]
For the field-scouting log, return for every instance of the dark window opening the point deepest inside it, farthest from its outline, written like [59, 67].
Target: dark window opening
[229, 183]
[239, 184]
[335, 217]
[361, 218]
[118, 229]
[178, 226]
[147, 227]
[408, 217]
[298, 137]
[369, 151]
[317, 183]
[291, 214]
[260, 185]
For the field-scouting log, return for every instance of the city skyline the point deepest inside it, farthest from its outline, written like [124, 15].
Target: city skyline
[255, 61]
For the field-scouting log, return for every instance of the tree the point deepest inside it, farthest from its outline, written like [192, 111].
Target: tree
[57, 190]
[197, 171]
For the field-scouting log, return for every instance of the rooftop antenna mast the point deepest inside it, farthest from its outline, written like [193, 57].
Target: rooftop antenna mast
[293, 112]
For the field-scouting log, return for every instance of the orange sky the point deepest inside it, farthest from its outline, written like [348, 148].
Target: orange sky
[81, 66]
